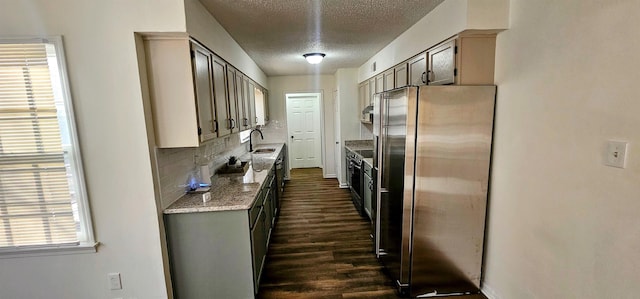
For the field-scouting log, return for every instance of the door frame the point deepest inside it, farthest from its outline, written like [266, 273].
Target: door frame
[320, 95]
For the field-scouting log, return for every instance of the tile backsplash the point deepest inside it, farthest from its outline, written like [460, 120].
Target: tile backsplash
[176, 164]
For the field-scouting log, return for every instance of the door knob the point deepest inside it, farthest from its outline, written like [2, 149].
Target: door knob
[291, 137]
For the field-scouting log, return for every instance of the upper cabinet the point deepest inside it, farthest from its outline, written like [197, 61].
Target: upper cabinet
[220, 90]
[196, 96]
[418, 69]
[389, 81]
[379, 85]
[475, 59]
[202, 75]
[261, 101]
[265, 95]
[401, 78]
[466, 59]
[442, 66]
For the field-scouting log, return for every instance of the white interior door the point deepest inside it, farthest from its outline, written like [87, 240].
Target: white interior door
[336, 134]
[303, 122]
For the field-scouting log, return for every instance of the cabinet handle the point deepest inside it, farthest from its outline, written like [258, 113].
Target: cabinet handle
[430, 75]
[233, 123]
[423, 77]
[216, 126]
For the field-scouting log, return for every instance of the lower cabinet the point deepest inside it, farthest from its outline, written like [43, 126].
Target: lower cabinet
[259, 247]
[221, 254]
[367, 185]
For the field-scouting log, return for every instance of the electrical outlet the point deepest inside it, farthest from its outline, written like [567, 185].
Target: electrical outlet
[114, 281]
[616, 155]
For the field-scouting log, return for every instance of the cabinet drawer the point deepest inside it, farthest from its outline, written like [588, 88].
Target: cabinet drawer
[367, 168]
[254, 212]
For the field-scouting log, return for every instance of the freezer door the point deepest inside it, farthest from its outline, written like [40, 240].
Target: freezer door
[453, 150]
[394, 221]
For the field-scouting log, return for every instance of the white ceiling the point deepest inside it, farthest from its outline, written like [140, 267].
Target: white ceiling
[275, 33]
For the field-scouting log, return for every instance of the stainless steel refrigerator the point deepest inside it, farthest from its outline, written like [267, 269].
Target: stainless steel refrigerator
[432, 157]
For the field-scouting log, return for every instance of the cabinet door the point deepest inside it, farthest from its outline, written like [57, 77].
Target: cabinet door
[368, 188]
[389, 82]
[245, 88]
[363, 90]
[418, 70]
[258, 246]
[220, 95]
[202, 78]
[275, 200]
[268, 210]
[442, 64]
[379, 84]
[401, 75]
[243, 103]
[265, 96]
[259, 117]
[233, 99]
[372, 90]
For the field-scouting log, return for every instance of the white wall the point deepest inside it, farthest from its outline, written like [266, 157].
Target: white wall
[276, 130]
[103, 73]
[347, 87]
[561, 224]
[446, 20]
[205, 28]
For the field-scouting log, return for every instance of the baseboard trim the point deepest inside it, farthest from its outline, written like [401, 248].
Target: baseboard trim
[489, 292]
[330, 176]
[343, 186]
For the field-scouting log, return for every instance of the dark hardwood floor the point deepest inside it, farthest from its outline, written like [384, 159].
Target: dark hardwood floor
[321, 247]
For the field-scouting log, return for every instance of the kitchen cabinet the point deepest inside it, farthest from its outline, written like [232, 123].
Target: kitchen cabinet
[265, 96]
[195, 95]
[467, 59]
[368, 189]
[170, 77]
[442, 66]
[232, 98]
[379, 86]
[248, 99]
[259, 246]
[417, 69]
[220, 91]
[389, 80]
[254, 103]
[400, 71]
[361, 98]
[475, 59]
[245, 113]
[221, 254]
[212, 252]
[202, 79]
[372, 91]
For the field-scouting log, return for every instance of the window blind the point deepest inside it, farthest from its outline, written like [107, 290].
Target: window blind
[37, 202]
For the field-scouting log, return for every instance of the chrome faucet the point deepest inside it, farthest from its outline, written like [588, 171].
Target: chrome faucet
[251, 133]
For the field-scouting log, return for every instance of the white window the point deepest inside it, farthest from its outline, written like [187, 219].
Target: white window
[43, 202]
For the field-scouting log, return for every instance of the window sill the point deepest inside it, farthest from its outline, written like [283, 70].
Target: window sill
[49, 251]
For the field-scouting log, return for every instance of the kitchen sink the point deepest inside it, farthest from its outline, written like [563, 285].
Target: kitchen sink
[264, 150]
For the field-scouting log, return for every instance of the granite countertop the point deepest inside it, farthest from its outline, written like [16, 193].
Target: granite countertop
[228, 192]
[355, 145]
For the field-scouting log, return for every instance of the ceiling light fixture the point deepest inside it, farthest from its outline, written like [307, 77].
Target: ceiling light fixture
[314, 58]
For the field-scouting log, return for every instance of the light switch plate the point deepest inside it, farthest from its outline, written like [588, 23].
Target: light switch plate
[114, 281]
[616, 154]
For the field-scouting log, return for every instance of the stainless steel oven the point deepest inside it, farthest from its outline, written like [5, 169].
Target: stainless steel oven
[354, 176]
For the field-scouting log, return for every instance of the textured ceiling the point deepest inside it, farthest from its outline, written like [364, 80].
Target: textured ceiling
[275, 33]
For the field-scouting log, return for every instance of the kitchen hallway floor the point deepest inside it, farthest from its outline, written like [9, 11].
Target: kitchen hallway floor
[320, 247]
